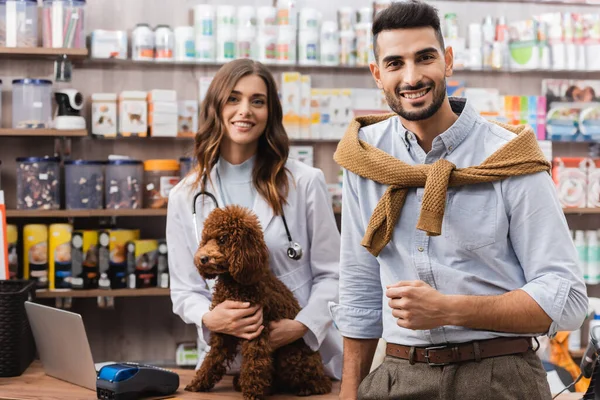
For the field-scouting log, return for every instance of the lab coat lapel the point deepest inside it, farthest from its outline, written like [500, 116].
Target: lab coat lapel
[263, 211]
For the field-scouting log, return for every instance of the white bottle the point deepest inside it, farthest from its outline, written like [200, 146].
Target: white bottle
[593, 259]
[582, 252]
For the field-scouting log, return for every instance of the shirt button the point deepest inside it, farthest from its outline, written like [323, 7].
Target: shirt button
[450, 148]
[420, 249]
[409, 136]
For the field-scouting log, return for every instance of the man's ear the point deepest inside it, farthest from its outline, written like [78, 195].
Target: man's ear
[449, 58]
[376, 74]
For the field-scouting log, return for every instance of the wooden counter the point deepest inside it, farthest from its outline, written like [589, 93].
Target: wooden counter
[34, 384]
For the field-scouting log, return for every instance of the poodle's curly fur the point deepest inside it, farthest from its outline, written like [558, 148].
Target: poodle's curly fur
[233, 250]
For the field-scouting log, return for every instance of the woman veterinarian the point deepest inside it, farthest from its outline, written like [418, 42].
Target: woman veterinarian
[242, 152]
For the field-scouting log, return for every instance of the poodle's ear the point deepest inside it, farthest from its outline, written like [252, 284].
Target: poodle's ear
[249, 257]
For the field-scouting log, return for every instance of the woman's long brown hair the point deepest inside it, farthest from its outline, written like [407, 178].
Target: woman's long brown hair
[270, 174]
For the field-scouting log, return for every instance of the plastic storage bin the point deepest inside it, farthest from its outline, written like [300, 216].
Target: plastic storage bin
[84, 184]
[160, 176]
[123, 184]
[185, 165]
[63, 23]
[31, 103]
[18, 23]
[17, 347]
[38, 183]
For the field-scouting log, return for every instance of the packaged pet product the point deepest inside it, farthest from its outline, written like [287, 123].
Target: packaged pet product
[12, 236]
[589, 122]
[108, 44]
[104, 259]
[305, 119]
[59, 241]
[142, 259]
[160, 176]
[570, 177]
[104, 114]
[35, 254]
[142, 43]
[117, 269]
[162, 265]
[133, 114]
[187, 118]
[84, 260]
[164, 43]
[290, 102]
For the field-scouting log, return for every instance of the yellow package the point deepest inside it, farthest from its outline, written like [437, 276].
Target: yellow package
[117, 269]
[84, 260]
[142, 260]
[59, 265]
[35, 254]
[12, 236]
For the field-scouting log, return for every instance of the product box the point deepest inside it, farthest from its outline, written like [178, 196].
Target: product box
[35, 254]
[187, 118]
[162, 264]
[303, 154]
[104, 114]
[343, 112]
[133, 114]
[570, 175]
[104, 259]
[117, 269]
[59, 263]
[524, 49]
[305, 106]
[290, 102]
[84, 260]
[108, 44]
[315, 113]
[162, 113]
[12, 236]
[142, 260]
[325, 110]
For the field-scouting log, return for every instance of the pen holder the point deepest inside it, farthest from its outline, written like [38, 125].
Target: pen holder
[17, 347]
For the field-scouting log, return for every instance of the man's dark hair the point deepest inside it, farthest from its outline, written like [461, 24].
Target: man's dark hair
[404, 15]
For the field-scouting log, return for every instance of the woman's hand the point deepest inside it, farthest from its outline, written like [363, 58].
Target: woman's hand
[285, 331]
[235, 318]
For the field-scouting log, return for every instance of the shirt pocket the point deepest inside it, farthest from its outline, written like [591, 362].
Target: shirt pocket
[299, 281]
[470, 216]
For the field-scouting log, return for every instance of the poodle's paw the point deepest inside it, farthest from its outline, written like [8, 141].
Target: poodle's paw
[322, 387]
[236, 383]
[252, 396]
[197, 386]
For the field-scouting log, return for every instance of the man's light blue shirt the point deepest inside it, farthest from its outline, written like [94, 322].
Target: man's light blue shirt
[496, 237]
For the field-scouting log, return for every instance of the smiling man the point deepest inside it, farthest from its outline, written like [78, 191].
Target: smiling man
[454, 246]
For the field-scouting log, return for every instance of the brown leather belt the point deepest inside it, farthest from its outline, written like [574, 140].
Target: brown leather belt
[460, 352]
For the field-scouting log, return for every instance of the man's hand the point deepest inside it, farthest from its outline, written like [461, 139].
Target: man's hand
[236, 319]
[417, 305]
[285, 331]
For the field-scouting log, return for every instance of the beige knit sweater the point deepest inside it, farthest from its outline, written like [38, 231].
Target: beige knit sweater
[520, 156]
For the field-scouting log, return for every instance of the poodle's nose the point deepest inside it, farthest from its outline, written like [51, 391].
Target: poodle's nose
[203, 260]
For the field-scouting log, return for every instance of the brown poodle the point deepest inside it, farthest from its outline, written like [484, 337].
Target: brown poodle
[234, 251]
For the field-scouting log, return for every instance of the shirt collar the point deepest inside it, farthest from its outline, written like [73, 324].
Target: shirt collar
[451, 138]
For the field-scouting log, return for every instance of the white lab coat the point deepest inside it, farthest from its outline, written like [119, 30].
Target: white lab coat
[313, 279]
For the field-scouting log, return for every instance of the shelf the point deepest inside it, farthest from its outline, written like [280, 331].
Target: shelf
[170, 65]
[43, 132]
[62, 293]
[143, 212]
[42, 52]
[191, 139]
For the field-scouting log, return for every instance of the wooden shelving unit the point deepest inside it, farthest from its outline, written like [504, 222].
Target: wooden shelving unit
[143, 212]
[43, 133]
[62, 293]
[42, 52]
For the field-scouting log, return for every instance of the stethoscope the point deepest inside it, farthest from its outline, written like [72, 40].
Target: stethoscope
[294, 250]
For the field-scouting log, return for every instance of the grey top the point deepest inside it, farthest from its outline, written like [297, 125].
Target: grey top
[235, 182]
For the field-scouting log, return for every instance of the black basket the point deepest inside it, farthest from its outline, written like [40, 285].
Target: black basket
[17, 347]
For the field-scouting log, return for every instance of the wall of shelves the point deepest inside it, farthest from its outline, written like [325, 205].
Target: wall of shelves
[142, 325]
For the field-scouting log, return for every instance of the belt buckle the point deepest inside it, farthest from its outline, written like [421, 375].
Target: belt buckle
[432, 364]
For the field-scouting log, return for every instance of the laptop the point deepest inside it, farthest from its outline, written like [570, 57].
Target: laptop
[63, 345]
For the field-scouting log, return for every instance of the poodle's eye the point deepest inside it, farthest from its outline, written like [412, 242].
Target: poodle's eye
[222, 239]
